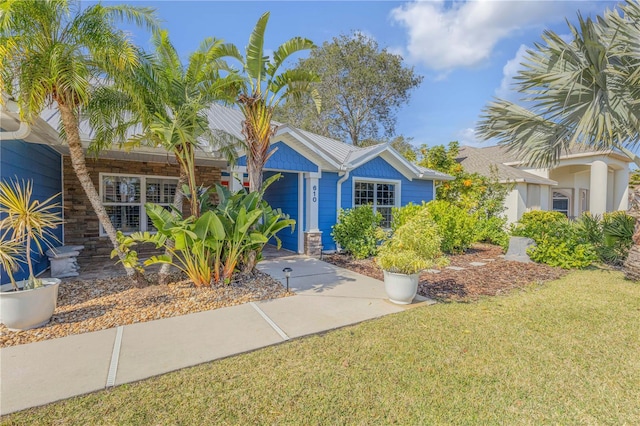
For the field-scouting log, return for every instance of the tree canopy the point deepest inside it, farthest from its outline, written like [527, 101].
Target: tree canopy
[361, 87]
[582, 90]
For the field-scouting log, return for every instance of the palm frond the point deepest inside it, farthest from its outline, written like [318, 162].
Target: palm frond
[255, 60]
[285, 50]
[576, 92]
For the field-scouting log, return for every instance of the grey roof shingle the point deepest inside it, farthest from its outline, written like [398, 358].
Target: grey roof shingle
[501, 154]
[482, 161]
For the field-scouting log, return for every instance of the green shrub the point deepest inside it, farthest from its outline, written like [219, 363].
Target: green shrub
[535, 223]
[358, 231]
[559, 242]
[399, 216]
[456, 225]
[209, 248]
[611, 235]
[618, 229]
[414, 246]
[493, 231]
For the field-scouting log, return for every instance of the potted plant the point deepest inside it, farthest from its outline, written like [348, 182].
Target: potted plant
[27, 226]
[414, 246]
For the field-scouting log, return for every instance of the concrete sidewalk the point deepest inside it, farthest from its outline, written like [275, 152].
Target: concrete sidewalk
[327, 297]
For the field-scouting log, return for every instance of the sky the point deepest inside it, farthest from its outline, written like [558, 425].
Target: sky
[467, 51]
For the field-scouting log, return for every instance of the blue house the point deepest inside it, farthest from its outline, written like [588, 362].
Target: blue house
[320, 177]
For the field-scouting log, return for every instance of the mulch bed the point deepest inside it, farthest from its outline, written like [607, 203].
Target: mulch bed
[497, 276]
[92, 305]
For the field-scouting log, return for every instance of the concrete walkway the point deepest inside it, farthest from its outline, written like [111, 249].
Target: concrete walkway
[327, 297]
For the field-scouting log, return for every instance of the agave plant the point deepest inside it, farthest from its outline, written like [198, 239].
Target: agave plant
[28, 223]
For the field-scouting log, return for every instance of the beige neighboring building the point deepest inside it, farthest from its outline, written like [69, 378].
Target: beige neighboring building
[582, 181]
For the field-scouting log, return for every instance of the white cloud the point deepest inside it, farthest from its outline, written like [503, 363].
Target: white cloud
[468, 137]
[447, 35]
[510, 70]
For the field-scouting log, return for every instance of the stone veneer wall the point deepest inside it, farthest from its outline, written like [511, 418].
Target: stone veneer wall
[81, 223]
[313, 244]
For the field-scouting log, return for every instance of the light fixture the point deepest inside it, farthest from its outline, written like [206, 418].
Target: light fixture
[287, 273]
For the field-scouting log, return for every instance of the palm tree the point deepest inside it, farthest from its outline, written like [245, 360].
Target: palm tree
[55, 52]
[173, 114]
[583, 91]
[263, 89]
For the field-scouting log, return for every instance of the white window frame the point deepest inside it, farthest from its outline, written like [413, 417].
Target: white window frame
[143, 196]
[566, 194]
[396, 183]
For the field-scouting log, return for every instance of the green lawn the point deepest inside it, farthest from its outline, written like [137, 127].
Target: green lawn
[567, 352]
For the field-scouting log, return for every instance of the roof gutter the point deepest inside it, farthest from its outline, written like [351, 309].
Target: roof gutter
[23, 131]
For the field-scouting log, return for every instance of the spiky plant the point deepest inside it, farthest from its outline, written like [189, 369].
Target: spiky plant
[11, 254]
[27, 222]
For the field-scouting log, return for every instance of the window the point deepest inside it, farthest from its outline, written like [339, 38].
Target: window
[124, 198]
[381, 196]
[561, 203]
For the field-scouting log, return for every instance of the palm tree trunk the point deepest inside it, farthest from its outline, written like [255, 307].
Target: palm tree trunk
[255, 175]
[177, 203]
[631, 265]
[71, 128]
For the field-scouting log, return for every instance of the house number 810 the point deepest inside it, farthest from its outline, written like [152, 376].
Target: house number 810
[315, 198]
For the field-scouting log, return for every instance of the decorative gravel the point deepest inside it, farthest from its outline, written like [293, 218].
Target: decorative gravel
[462, 281]
[85, 306]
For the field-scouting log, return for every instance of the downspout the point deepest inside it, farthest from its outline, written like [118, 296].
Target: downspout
[339, 193]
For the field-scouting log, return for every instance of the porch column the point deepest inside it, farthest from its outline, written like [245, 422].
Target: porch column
[621, 189]
[598, 187]
[312, 234]
[544, 197]
[235, 179]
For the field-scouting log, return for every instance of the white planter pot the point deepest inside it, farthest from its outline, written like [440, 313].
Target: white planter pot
[401, 288]
[25, 309]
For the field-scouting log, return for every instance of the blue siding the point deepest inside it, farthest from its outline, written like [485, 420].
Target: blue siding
[410, 191]
[414, 191]
[285, 158]
[41, 164]
[283, 195]
[327, 208]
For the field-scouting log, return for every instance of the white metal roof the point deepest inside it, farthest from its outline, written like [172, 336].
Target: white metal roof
[329, 153]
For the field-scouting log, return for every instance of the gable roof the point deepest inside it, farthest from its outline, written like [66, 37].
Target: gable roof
[329, 153]
[478, 160]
